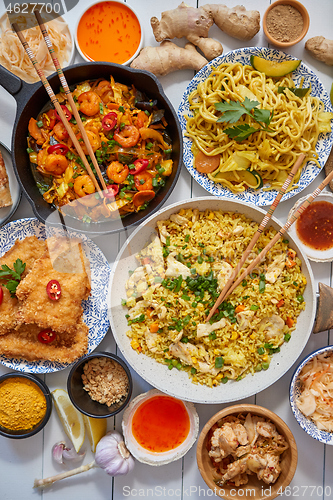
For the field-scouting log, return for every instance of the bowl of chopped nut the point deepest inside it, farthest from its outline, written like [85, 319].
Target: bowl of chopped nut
[100, 385]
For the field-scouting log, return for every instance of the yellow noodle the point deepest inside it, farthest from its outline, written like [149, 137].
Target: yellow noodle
[295, 125]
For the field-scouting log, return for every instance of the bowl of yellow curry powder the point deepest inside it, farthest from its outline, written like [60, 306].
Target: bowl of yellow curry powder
[25, 405]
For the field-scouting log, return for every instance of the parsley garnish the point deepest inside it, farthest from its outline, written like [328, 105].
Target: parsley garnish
[15, 274]
[234, 110]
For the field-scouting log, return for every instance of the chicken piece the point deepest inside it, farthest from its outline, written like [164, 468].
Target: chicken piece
[65, 348]
[256, 462]
[163, 232]
[37, 308]
[207, 368]
[5, 196]
[135, 311]
[184, 352]
[233, 470]
[244, 318]
[237, 231]
[136, 276]
[204, 329]
[152, 340]
[242, 450]
[8, 312]
[159, 309]
[273, 326]
[267, 429]
[240, 479]
[225, 439]
[272, 470]
[250, 425]
[240, 433]
[179, 219]
[275, 268]
[175, 268]
[175, 336]
[224, 275]
[195, 216]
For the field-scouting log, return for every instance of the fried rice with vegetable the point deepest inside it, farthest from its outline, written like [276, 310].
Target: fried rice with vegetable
[181, 273]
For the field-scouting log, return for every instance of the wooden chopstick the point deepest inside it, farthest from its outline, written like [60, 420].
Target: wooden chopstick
[256, 235]
[57, 106]
[68, 93]
[278, 235]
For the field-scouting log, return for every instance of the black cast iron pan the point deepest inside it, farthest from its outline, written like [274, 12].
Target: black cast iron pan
[31, 98]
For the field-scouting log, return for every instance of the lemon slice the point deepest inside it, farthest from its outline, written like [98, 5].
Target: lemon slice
[96, 429]
[70, 417]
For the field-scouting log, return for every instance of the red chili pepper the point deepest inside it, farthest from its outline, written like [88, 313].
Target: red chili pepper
[112, 191]
[53, 290]
[68, 114]
[140, 165]
[51, 120]
[60, 149]
[109, 121]
[46, 336]
[1, 295]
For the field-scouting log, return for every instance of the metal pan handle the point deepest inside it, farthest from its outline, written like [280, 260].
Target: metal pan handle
[19, 89]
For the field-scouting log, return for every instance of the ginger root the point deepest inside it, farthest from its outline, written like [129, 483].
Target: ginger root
[169, 57]
[321, 48]
[190, 22]
[236, 22]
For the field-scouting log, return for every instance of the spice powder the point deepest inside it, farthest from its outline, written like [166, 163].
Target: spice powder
[284, 23]
[22, 404]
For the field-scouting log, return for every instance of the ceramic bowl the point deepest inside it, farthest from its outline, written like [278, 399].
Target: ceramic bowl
[294, 392]
[306, 22]
[98, 8]
[254, 489]
[80, 397]
[20, 434]
[312, 253]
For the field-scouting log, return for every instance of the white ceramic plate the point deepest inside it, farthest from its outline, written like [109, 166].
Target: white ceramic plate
[311, 253]
[94, 309]
[177, 383]
[310, 172]
[15, 190]
[295, 391]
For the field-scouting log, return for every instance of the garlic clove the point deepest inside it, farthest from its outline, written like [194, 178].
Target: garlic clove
[60, 452]
[71, 455]
[57, 452]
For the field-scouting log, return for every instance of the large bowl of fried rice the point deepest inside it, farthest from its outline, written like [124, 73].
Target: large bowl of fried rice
[167, 277]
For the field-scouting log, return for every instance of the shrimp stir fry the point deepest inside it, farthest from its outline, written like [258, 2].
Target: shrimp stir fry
[129, 137]
[242, 446]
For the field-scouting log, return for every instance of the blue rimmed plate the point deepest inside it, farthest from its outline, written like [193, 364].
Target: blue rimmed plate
[323, 147]
[95, 313]
[295, 391]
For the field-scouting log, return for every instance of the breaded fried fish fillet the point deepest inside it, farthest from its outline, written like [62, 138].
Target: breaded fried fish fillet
[28, 250]
[65, 348]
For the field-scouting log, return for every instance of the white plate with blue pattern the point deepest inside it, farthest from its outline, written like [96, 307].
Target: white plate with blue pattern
[95, 313]
[295, 391]
[310, 171]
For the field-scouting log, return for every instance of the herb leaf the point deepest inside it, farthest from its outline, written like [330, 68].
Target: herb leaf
[6, 272]
[240, 132]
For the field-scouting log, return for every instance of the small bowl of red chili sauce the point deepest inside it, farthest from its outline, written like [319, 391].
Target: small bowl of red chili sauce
[313, 229]
[109, 31]
[159, 428]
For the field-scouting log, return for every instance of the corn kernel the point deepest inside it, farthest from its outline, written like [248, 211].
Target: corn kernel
[194, 360]
[216, 351]
[190, 223]
[265, 357]
[210, 215]
[304, 280]
[181, 211]
[253, 336]
[219, 376]
[234, 336]
[135, 344]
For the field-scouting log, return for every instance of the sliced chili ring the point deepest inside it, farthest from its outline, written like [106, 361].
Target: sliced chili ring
[53, 290]
[109, 121]
[112, 191]
[60, 149]
[68, 114]
[46, 336]
[1, 295]
[140, 164]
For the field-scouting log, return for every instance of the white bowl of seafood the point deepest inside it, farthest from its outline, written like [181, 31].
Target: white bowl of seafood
[168, 275]
[159, 429]
[246, 450]
[311, 397]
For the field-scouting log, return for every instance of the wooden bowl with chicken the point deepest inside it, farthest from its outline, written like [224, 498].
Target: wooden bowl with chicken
[246, 451]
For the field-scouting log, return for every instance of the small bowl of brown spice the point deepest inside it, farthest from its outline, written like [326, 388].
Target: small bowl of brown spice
[286, 23]
[25, 405]
[100, 385]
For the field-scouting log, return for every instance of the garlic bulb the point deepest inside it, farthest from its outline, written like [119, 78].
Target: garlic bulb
[113, 456]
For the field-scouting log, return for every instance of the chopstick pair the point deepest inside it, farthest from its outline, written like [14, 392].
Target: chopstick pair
[57, 105]
[231, 285]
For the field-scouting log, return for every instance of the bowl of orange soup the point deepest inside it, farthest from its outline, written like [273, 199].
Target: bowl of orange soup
[109, 31]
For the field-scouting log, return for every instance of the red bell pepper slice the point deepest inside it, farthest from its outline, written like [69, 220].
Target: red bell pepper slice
[53, 290]
[140, 164]
[60, 149]
[112, 190]
[109, 121]
[46, 336]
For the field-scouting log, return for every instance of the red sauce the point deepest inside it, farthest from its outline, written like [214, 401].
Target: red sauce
[315, 226]
[160, 424]
[109, 31]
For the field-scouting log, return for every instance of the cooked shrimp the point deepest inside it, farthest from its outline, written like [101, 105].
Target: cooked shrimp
[104, 90]
[60, 132]
[83, 185]
[35, 131]
[56, 164]
[94, 139]
[89, 103]
[143, 181]
[128, 136]
[117, 171]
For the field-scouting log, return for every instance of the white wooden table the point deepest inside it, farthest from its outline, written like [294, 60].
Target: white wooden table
[21, 461]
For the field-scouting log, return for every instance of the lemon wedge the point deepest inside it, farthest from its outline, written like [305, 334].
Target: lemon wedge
[96, 429]
[70, 417]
